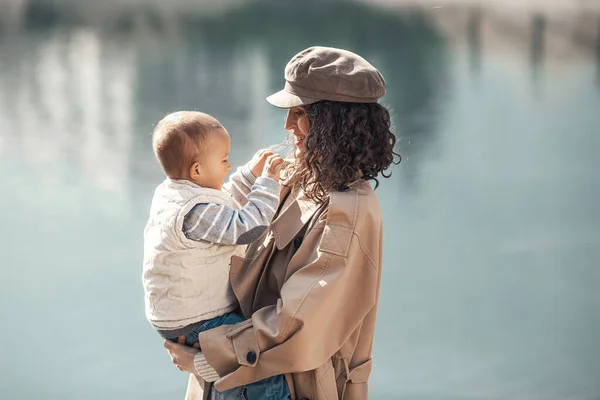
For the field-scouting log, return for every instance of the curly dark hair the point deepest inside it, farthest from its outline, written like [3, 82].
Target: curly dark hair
[346, 142]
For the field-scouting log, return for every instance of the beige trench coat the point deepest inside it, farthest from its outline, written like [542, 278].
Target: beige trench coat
[317, 325]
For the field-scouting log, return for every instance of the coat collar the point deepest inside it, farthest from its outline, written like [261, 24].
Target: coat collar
[291, 219]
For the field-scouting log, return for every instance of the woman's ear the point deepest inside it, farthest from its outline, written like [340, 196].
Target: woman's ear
[195, 172]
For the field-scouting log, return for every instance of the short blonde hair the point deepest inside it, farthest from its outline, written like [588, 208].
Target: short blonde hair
[178, 139]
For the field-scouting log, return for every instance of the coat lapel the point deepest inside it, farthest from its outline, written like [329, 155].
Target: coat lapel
[291, 219]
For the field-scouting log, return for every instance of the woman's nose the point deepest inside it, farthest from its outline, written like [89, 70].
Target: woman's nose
[290, 121]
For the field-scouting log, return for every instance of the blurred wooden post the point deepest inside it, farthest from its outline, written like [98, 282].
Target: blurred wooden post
[537, 49]
[474, 39]
[598, 53]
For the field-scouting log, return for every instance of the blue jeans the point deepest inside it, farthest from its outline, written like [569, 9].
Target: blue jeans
[273, 388]
[231, 318]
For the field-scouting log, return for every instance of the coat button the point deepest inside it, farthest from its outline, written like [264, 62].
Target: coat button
[251, 357]
[297, 242]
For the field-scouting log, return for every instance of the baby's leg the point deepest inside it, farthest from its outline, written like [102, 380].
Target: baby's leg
[191, 333]
[231, 318]
[226, 319]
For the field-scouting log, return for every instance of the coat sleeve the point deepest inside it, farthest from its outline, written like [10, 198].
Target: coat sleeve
[321, 305]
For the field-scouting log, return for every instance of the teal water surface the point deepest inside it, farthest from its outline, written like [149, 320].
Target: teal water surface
[492, 224]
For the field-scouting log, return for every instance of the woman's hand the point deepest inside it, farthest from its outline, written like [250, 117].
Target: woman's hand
[182, 355]
[272, 167]
[257, 163]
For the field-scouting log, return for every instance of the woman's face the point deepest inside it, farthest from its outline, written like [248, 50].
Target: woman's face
[297, 122]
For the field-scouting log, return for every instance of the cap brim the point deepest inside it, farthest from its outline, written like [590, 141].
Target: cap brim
[285, 99]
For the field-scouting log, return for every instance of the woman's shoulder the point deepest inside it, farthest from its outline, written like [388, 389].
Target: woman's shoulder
[356, 205]
[351, 213]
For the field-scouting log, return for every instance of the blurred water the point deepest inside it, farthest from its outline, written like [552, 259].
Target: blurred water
[492, 228]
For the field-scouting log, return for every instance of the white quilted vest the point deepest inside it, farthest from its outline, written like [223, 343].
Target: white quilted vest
[184, 281]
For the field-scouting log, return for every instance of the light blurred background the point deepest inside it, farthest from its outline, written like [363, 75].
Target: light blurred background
[491, 284]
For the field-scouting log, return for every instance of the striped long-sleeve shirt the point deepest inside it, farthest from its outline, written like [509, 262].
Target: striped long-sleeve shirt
[222, 224]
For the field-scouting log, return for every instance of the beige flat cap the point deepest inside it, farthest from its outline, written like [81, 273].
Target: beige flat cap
[327, 73]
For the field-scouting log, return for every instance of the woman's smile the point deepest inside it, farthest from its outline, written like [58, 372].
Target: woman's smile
[299, 140]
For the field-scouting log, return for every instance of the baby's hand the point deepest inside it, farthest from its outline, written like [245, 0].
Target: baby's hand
[273, 167]
[257, 163]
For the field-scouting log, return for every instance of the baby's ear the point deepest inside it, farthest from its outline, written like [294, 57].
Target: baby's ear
[195, 171]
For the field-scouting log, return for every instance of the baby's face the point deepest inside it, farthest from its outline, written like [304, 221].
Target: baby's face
[214, 164]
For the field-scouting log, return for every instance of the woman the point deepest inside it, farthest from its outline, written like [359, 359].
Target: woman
[310, 287]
